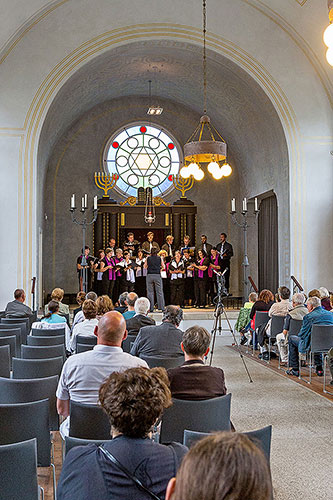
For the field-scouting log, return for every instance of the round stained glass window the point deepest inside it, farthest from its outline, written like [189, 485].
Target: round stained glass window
[143, 156]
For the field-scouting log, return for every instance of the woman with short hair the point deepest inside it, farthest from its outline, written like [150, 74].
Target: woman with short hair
[103, 304]
[57, 295]
[134, 400]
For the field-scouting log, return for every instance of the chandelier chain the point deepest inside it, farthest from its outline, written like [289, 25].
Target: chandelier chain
[204, 56]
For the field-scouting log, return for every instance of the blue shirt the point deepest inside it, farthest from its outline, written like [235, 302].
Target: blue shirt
[54, 318]
[316, 317]
[129, 314]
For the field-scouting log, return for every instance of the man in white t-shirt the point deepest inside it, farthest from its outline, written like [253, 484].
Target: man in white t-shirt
[83, 374]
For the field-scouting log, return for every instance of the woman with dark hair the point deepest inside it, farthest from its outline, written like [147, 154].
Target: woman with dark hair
[200, 267]
[98, 273]
[264, 302]
[52, 316]
[133, 400]
[223, 466]
[107, 267]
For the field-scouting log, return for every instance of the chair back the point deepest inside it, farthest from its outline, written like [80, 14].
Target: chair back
[261, 437]
[22, 323]
[126, 345]
[9, 330]
[261, 317]
[86, 339]
[71, 442]
[83, 348]
[153, 361]
[203, 416]
[11, 341]
[47, 332]
[321, 338]
[5, 361]
[22, 421]
[43, 352]
[88, 422]
[27, 390]
[44, 341]
[294, 326]
[18, 465]
[277, 325]
[37, 368]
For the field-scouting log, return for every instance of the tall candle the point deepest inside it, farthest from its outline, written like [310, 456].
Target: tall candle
[244, 205]
[233, 205]
[73, 201]
[85, 201]
[256, 204]
[82, 202]
[95, 202]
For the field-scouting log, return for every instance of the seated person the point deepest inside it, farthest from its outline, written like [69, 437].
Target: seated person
[134, 400]
[17, 308]
[194, 380]
[80, 298]
[298, 312]
[83, 374]
[103, 304]
[211, 471]
[243, 322]
[87, 326]
[53, 320]
[57, 294]
[79, 316]
[264, 303]
[122, 301]
[325, 298]
[162, 340]
[301, 343]
[141, 318]
[130, 300]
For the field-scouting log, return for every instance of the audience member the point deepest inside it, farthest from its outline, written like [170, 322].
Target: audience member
[130, 300]
[223, 466]
[87, 326]
[80, 298]
[301, 343]
[243, 322]
[122, 301]
[264, 303]
[253, 297]
[315, 293]
[298, 312]
[53, 320]
[104, 304]
[141, 318]
[79, 316]
[194, 380]
[83, 373]
[162, 340]
[325, 298]
[17, 308]
[57, 294]
[133, 400]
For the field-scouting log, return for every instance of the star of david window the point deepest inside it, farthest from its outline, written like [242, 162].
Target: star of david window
[143, 156]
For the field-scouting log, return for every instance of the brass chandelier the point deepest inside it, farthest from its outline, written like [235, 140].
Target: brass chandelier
[205, 145]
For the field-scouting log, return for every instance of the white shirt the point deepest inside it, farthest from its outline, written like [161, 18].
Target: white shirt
[86, 327]
[83, 374]
[78, 318]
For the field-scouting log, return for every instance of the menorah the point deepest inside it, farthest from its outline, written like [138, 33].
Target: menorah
[106, 182]
[182, 184]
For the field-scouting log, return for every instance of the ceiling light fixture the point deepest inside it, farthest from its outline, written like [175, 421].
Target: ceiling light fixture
[205, 145]
[328, 35]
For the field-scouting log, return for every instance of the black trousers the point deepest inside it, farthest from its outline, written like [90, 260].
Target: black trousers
[107, 286]
[126, 286]
[189, 289]
[177, 291]
[140, 286]
[200, 291]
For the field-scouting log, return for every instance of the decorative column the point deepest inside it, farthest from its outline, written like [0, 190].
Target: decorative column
[176, 225]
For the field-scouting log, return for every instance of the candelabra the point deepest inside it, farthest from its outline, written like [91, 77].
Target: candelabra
[84, 223]
[244, 224]
[105, 182]
[182, 184]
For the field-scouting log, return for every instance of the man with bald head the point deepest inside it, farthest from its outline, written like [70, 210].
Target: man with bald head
[83, 374]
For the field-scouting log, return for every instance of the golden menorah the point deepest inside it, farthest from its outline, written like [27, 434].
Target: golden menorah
[182, 184]
[105, 182]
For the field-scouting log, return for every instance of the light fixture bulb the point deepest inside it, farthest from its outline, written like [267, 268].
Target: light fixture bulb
[212, 167]
[198, 174]
[217, 175]
[329, 56]
[185, 172]
[226, 169]
[328, 36]
[193, 167]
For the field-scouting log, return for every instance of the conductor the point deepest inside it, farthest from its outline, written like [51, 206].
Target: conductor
[226, 252]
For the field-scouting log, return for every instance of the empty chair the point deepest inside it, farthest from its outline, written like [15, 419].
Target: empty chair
[261, 318]
[321, 343]
[8, 331]
[83, 348]
[11, 341]
[38, 341]
[37, 368]
[277, 324]
[35, 416]
[22, 323]
[26, 390]
[43, 352]
[86, 339]
[18, 465]
[203, 416]
[88, 422]
[47, 332]
[5, 361]
[166, 363]
[126, 345]
[261, 437]
[294, 326]
[71, 442]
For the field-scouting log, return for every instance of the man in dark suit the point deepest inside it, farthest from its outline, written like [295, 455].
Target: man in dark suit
[162, 340]
[205, 246]
[141, 308]
[226, 252]
[194, 380]
[169, 247]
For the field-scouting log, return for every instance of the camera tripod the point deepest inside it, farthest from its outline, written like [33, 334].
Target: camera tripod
[218, 312]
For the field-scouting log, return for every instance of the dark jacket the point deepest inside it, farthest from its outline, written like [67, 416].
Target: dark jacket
[134, 324]
[316, 317]
[208, 248]
[161, 340]
[195, 381]
[17, 309]
[227, 250]
[260, 305]
[88, 474]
